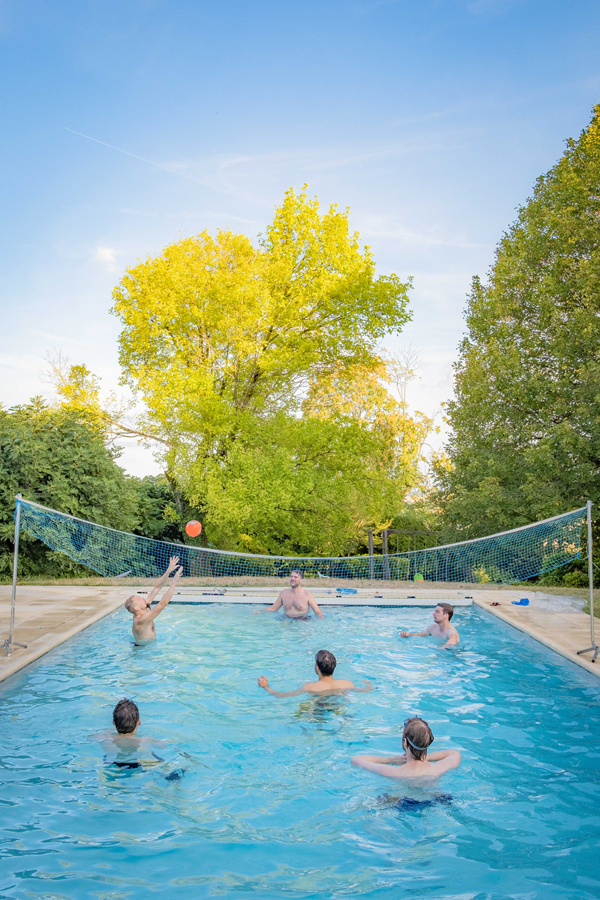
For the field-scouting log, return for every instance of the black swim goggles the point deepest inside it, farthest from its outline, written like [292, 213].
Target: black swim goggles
[414, 746]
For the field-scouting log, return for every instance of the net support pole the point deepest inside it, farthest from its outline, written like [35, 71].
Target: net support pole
[594, 648]
[13, 599]
[385, 553]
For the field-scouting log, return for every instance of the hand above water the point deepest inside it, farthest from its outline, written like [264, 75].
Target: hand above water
[263, 681]
[173, 563]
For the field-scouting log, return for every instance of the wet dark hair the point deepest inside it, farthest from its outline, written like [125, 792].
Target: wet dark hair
[326, 662]
[448, 608]
[125, 716]
[298, 571]
[419, 736]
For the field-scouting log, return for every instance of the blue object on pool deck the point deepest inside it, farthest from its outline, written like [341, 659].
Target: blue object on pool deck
[347, 590]
[522, 602]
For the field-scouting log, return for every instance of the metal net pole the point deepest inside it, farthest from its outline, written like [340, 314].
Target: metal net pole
[13, 599]
[595, 648]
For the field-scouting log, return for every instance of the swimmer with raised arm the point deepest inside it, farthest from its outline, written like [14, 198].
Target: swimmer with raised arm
[140, 605]
[441, 627]
[325, 663]
[416, 762]
[296, 600]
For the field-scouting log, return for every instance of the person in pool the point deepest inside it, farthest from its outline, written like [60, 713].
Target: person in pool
[140, 605]
[416, 763]
[441, 627]
[325, 663]
[124, 748]
[296, 600]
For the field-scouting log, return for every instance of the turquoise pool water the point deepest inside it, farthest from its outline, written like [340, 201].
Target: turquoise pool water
[269, 805]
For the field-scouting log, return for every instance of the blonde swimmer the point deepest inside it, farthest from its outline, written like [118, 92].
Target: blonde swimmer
[139, 606]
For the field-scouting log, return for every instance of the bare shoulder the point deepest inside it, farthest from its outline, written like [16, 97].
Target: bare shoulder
[101, 736]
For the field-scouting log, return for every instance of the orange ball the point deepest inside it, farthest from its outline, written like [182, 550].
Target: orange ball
[193, 528]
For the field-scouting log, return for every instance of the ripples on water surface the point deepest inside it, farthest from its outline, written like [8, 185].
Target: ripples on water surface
[269, 805]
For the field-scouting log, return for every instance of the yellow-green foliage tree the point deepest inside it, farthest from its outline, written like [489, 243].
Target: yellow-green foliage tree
[232, 347]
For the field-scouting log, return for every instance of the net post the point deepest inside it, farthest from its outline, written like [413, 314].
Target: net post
[370, 533]
[594, 646]
[13, 599]
[385, 553]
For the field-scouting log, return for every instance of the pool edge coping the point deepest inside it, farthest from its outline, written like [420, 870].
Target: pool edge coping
[580, 661]
[111, 603]
[22, 660]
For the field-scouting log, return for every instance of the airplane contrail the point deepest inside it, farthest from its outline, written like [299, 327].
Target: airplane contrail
[135, 156]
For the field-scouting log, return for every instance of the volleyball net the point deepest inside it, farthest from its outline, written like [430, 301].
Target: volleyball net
[502, 558]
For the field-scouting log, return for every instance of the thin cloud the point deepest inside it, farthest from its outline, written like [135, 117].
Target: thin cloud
[106, 256]
[386, 229]
[135, 156]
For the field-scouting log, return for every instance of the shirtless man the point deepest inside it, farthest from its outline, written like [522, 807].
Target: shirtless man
[139, 606]
[325, 663]
[441, 626]
[415, 763]
[296, 600]
[124, 749]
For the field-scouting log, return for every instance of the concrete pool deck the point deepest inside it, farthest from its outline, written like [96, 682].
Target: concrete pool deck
[46, 616]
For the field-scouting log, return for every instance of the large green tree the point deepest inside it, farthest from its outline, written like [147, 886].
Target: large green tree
[525, 440]
[58, 457]
[240, 353]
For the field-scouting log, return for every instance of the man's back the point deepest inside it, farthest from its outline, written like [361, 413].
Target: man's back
[328, 686]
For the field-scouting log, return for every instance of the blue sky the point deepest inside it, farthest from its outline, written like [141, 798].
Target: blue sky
[430, 120]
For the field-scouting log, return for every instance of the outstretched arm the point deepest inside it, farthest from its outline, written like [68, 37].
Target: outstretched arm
[381, 765]
[173, 562]
[153, 613]
[273, 608]
[447, 759]
[367, 687]
[313, 605]
[415, 633]
[265, 684]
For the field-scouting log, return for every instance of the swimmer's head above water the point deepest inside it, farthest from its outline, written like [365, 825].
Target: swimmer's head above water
[126, 716]
[296, 577]
[135, 603]
[442, 611]
[325, 663]
[417, 737]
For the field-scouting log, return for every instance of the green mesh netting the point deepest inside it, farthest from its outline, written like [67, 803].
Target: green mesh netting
[501, 558]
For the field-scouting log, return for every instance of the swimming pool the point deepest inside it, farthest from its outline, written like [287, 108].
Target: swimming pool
[269, 806]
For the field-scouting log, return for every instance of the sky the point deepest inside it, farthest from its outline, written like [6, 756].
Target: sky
[128, 125]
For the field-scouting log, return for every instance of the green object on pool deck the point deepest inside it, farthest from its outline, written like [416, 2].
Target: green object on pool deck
[419, 577]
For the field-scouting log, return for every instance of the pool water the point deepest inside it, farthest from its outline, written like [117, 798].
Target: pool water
[269, 805]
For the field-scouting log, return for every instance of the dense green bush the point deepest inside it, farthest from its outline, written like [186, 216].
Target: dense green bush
[58, 457]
